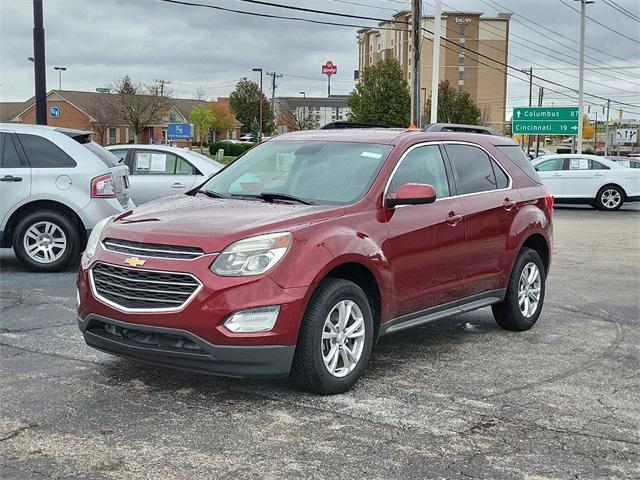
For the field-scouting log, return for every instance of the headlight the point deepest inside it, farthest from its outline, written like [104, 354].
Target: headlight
[252, 256]
[94, 238]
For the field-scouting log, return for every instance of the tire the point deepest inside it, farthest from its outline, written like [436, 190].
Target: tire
[46, 241]
[510, 313]
[309, 368]
[610, 198]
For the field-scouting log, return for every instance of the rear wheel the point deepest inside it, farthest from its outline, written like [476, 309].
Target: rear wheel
[46, 241]
[610, 198]
[523, 301]
[335, 338]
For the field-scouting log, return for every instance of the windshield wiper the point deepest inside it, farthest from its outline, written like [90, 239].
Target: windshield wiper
[271, 196]
[211, 194]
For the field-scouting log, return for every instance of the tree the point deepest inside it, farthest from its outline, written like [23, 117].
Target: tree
[295, 118]
[139, 105]
[381, 97]
[588, 132]
[244, 102]
[202, 118]
[103, 114]
[255, 129]
[454, 106]
[224, 120]
[200, 94]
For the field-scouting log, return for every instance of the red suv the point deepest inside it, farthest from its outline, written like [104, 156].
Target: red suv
[295, 258]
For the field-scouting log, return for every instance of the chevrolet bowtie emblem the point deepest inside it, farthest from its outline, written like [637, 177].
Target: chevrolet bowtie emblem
[134, 262]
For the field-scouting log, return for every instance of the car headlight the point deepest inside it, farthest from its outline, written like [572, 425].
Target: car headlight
[253, 255]
[94, 238]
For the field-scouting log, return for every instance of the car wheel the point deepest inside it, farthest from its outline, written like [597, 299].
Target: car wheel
[46, 241]
[335, 338]
[610, 198]
[525, 293]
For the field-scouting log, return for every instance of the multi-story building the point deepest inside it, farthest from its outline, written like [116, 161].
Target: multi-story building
[473, 54]
[299, 113]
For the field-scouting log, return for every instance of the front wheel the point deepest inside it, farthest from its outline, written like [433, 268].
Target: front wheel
[610, 198]
[335, 339]
[523, 301]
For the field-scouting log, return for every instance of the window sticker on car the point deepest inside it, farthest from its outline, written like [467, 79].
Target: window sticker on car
[579, 164]
[143, 161]
[377, 156]
[158, 162]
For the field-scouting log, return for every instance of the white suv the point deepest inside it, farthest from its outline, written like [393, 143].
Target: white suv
[55, 185]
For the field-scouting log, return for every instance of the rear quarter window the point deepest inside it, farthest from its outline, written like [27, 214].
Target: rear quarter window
[517, 156]
[43, 153]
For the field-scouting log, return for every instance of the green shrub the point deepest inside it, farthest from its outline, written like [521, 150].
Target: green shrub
[230, 149]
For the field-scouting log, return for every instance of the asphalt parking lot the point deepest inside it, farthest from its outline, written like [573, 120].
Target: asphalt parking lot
[455, 399]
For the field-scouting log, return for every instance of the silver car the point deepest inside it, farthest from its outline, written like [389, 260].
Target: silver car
[55, 185]
[159, 170]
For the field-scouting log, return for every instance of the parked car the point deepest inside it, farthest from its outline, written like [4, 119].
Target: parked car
[541, 153]
[159, 170]
[588, 179]
[629, 162]
[299, 255]
[55, 185]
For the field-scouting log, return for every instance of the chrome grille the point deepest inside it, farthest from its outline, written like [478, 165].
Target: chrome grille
[142, 289]
[152, 249]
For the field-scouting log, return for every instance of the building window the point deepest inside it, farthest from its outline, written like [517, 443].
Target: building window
[113, 136]
[461, 75]
[462, 31]
[461, 60]
[461, 87]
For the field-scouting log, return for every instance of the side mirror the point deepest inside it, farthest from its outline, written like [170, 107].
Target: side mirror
[411, 194]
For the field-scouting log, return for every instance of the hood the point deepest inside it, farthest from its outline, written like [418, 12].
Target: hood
[211, 223]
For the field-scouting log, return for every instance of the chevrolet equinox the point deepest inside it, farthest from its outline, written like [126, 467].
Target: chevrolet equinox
[297, 257]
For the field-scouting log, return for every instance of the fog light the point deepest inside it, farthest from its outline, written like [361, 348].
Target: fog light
[256, 320]
[77, 298]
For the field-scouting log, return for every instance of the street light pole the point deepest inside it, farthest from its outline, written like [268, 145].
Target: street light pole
[60, 70]
[39, 64]
[583, 14]
[260, 127]
[304, 109]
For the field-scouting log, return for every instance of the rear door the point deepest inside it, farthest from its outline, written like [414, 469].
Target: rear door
[15, 177]
[490, 206]
[583, 178]
[426, 242]
[552, 175]
[156, 174]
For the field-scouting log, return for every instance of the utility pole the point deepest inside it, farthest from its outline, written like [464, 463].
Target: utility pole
[530, 73]
[162, 84]
[260, 103]
[416, 26]
[273, 76]
[583, 13]
[606, 130]
[435, 69]
[39, 64]
[540, 96]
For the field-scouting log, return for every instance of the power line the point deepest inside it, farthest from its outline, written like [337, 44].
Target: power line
[366, 5]
[622, 10]
[600, 23]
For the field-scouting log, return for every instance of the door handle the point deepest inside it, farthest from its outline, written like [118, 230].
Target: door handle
[508, 204]
[598, 174]
[453, 219]
[557, 174]
[10, 178]
[177, 185]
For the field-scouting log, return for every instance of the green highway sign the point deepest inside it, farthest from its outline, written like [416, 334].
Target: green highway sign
[545, 120]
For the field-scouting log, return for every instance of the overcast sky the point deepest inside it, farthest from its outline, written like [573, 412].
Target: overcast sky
[99, 41]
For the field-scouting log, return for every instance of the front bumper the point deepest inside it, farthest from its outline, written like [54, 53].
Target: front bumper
[176, 348]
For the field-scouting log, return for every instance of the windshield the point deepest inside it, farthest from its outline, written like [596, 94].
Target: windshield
[314, 171]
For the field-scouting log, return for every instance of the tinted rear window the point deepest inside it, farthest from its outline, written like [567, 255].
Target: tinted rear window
[517, 156]
[108, 158]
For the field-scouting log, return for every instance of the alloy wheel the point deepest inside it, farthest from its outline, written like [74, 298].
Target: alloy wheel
[611, 198]
[343, 338]
[529, 287]
[44, 242]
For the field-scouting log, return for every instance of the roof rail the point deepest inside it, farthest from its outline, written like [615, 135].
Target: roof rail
[455, 127]
[341, 125]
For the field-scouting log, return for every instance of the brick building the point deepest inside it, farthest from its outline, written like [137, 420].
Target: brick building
[467, 34]
[94, 111]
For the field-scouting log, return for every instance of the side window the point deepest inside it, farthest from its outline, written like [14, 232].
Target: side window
[474, 172]
[147, 162]
[120, 154]
[43, 153]
[502, 181]
[593, 165]
[550, 165]
[183, 167]
[422, 165]
[9, 155]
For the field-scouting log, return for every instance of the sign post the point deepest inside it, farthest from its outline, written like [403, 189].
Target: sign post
[329, 69]
[545, 121]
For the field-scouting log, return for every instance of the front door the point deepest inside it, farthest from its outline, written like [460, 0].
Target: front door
[426, 242]
[552, 175]
[15, 177]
